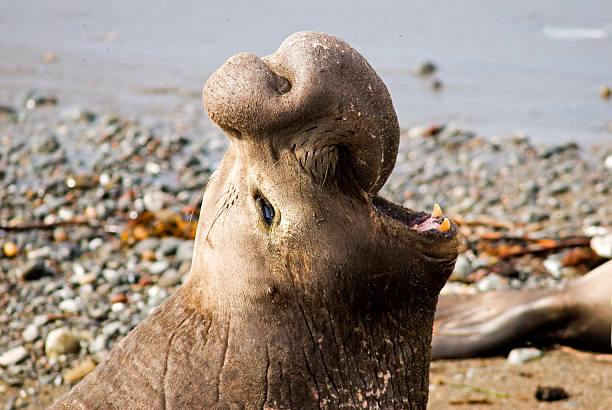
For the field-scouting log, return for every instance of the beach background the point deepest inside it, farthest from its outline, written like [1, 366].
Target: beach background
[105, 148]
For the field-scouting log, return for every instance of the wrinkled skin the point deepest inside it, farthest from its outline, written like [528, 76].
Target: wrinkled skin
[579, 315]
[328, 303]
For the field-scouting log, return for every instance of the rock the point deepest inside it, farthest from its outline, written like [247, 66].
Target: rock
[81, 181]
[558, 187]
[95, 243]
[170, 278]
[117, 307]
[167, 247]
[184, 252]
[13, 356]
[424, 68]
[159, 267]
[436, 85]
[47, 145]
[522, 355]
[35, 270]
[87, 278]
[118, 298]
[111, 328]
[10, 249]
[78, 114]
[463, 268]
[147, 244]
[492, 281]
[36, 99]
[112, 275]
[30, 333]
[69, 306]
[61, 341]
[608, 160]
[39, 253]
[602, 245]
[79, 371]
[157, 200]
[550, 393]
[553, 265]
[8, 112]
[98, 344]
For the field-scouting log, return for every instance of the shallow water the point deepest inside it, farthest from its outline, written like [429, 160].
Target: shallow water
[531, 66]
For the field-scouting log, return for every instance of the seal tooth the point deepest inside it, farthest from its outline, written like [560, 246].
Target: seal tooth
[437, 211]
[444, 226]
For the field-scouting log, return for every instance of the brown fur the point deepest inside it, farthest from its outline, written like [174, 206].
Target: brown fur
[329, 305]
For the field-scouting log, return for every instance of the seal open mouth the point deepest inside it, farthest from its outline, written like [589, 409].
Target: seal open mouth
[417, 221]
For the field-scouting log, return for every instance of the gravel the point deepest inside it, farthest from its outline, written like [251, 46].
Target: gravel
[100, 205]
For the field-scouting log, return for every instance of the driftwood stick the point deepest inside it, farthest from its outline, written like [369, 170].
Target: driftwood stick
[545, 245]
[43, 226]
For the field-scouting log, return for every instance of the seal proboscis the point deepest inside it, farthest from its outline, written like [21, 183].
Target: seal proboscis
[307, 289]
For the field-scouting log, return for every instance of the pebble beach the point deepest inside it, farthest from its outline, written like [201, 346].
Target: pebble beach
[98, 214]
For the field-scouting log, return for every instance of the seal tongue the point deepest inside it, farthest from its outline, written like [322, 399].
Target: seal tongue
[426, 225]
[432, 222]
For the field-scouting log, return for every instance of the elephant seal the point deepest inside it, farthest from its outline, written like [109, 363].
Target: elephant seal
[306, 289]
[579, 315]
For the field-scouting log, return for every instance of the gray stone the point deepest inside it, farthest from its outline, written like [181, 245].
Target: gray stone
[157, 268]
[111, 328]
[13, 356]
[148, 244]
[112, 275]
[98, 344]
[492, 281]
[47, 145]
[78, 114]
[157, 200]
[424, 68]
[167, 247]
[170, 278]
[522, 355]
[463, 268]
[184, 252]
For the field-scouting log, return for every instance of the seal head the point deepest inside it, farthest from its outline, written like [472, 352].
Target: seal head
[306, 289]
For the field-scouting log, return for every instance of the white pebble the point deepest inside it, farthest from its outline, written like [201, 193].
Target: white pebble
[602, 245]
[13, 356]
[117, 307]
[523, 355]
[69, 306]
[95, 243]
[30, 333]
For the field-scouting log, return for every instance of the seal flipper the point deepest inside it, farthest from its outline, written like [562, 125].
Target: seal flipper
[486, 323]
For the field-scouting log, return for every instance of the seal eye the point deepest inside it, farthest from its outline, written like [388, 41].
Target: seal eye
[267, 210]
